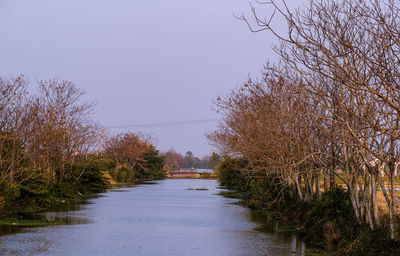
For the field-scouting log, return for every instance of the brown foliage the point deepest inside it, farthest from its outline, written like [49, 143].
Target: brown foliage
[330, 108]
[173, 160]
[40, 134]
[128, 150]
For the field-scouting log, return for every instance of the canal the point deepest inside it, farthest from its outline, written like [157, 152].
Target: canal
[170, 217]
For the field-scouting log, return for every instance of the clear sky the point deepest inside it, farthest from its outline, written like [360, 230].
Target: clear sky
[143, 61]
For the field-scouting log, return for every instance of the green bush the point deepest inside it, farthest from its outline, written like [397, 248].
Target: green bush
[91, 176]
[9, 192]
[330, 222]
[376, 242]
[229, 174]
[35, 183]
[152, 168]
[103, 164]
[268, 192]
[63, 190]
[126, 175]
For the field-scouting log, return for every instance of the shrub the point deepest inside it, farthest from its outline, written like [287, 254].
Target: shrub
[153, 166]
[126, 175]
[376, 242]
[229, 174]
[92, 179]
[103, 164]
[331, 223]
[9, 192]
[63, 190]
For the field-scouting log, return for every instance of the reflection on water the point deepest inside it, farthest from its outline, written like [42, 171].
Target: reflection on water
[62, 213]
[269, 225]
[159, 219]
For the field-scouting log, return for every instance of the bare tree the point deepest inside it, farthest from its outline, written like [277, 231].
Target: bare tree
[128, 150]
[346, 52]
[173, 160]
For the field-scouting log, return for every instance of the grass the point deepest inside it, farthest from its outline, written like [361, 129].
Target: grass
[206, 175]
[123, 184]
[30, 222]
[382, 204]
[316, 252]
[230, 194]
[386, 180]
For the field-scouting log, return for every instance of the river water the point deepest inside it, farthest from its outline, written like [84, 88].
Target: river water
[154, 220]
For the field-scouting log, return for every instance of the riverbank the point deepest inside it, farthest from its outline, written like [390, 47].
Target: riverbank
[327, 225]
[21, 207]
[92, 174]
[326, 222]
[31, 215]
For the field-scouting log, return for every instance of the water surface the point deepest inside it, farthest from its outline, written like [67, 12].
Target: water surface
[153, 220]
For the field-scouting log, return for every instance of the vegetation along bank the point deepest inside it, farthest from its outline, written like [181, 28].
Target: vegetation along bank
[51, 151]
[317, 137]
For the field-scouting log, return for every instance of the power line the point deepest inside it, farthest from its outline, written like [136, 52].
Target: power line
[163, 124]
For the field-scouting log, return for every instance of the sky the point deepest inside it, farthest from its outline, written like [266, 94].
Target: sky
[151, 66]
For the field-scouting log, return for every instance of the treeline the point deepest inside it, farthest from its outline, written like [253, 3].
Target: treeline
[50, 146]
[175, 160]
[134, 157]
[328, 112]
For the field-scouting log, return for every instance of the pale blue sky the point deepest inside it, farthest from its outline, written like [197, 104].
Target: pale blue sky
[142, 61]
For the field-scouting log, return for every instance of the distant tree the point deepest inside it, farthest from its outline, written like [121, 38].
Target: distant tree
[127, 149]
[173, 160]
[153, 167]
[215, 159]
[197, 163]
[189, 160]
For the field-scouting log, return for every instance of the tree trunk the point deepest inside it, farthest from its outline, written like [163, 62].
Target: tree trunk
[392, 207]
[317, 181]
[375, 201]
[325, 180]
[298, 186]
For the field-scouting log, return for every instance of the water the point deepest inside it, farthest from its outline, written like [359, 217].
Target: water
[199, 170]
[205, 170]
[151, 220]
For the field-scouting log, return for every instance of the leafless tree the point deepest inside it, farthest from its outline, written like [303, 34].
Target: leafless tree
[128, 150]
[351, 48]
